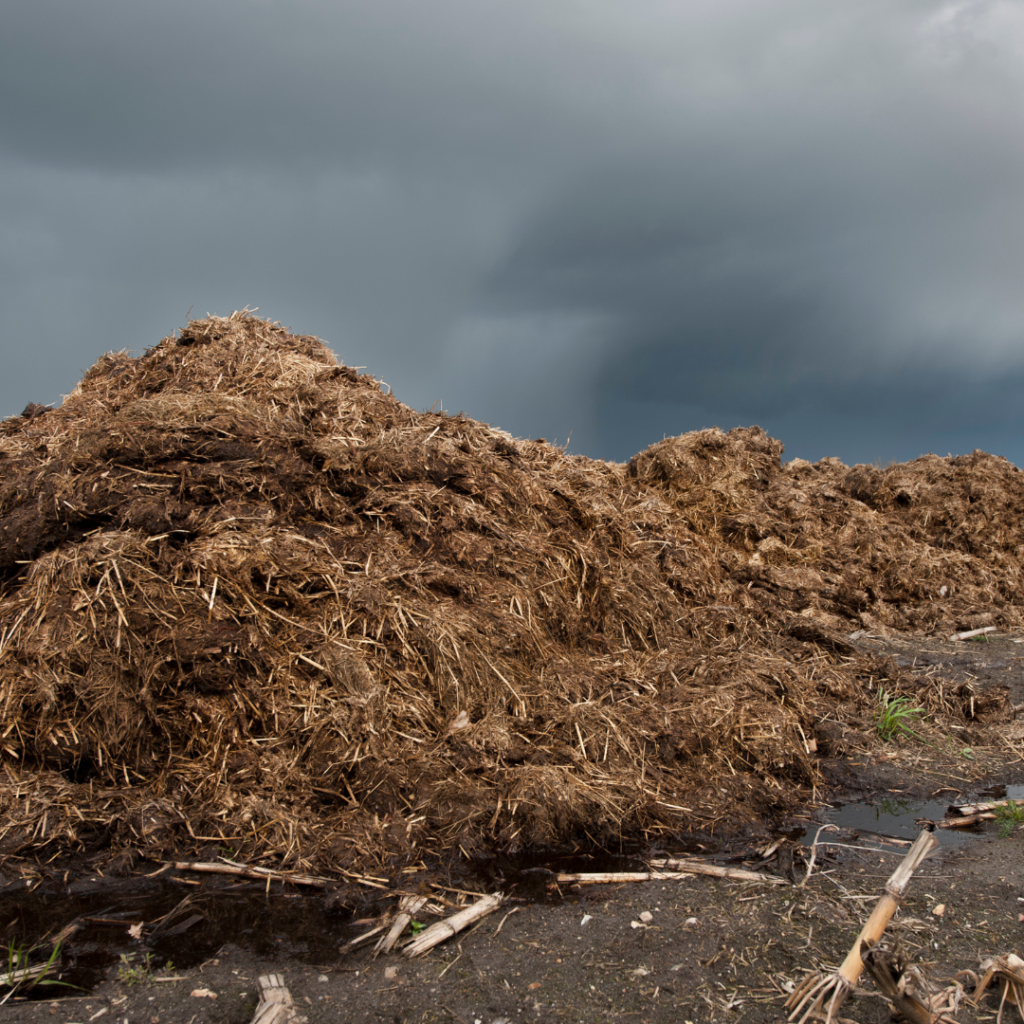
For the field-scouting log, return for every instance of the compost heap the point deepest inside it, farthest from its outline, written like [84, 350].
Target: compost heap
[250, 599]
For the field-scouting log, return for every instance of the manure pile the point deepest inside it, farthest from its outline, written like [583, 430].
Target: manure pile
[247, 598]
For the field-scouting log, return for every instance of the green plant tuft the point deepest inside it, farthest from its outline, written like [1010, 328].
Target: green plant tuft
[1010, 816]
[129, 973]
[893, 716]
[19, 974]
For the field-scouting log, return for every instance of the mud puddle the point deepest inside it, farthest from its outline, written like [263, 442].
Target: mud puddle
[901, 818]
[182, 929]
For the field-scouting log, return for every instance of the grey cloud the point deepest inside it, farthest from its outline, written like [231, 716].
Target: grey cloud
[818, 271]
[618, 222]
[99, 262]
[290, 85]
[860, 419]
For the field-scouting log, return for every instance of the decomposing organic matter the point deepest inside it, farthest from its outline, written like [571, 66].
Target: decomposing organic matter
[248, 599]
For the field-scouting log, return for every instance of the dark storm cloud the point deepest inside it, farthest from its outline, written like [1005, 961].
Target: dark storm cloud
[615, 221]
[799, 312]
[845, 274]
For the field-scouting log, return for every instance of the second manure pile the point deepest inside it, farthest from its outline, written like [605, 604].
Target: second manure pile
[249, 599]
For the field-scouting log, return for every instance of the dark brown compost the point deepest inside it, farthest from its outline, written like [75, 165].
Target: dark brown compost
[246, 597]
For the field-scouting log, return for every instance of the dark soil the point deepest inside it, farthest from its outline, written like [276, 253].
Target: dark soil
[712, 949]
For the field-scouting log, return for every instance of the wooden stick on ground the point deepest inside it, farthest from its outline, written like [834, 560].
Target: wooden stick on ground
[819, 996]
[408, 908]
[229, 867]
[438, 933]
[275, 1005]
[669, 868]
[885, 973]
[1009, 970]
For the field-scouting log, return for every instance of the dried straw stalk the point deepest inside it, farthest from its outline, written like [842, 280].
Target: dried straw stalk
[408, 908]
[821, 996]
[444, 930]
[275, 1005]
[247, 598]
[668, 869]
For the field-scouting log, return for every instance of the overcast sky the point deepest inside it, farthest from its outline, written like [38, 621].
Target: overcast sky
[611, 220]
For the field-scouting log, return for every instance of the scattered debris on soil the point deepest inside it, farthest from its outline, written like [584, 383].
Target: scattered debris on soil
[698, 948]
[249, 600]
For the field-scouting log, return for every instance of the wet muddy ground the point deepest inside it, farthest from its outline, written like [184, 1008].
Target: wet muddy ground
[711, 949]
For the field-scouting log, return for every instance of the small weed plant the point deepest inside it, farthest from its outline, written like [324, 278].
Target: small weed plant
[954, 747]
[893, 716]
[131, 973]
[19, 975]
[1010, 817]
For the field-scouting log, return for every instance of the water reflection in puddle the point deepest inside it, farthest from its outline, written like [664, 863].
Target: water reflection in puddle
[897, 817]
[295, 925]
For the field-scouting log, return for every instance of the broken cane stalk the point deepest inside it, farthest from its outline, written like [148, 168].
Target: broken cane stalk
[437, 933]
[809, 998]
[408, 908]
[275, 1005]
[667, 869]
[886, 972]
[1009, 970]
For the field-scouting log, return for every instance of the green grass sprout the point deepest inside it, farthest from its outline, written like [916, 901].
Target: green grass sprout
[1010, 817]
[893, 716]
[19, 975]
[129, 973]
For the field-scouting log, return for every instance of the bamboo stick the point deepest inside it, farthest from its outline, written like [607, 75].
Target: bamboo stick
[438, 933]
[408, 908]
[275, 1005]
[809, 998]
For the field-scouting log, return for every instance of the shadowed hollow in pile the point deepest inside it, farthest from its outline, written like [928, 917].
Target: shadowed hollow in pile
[248, 598]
